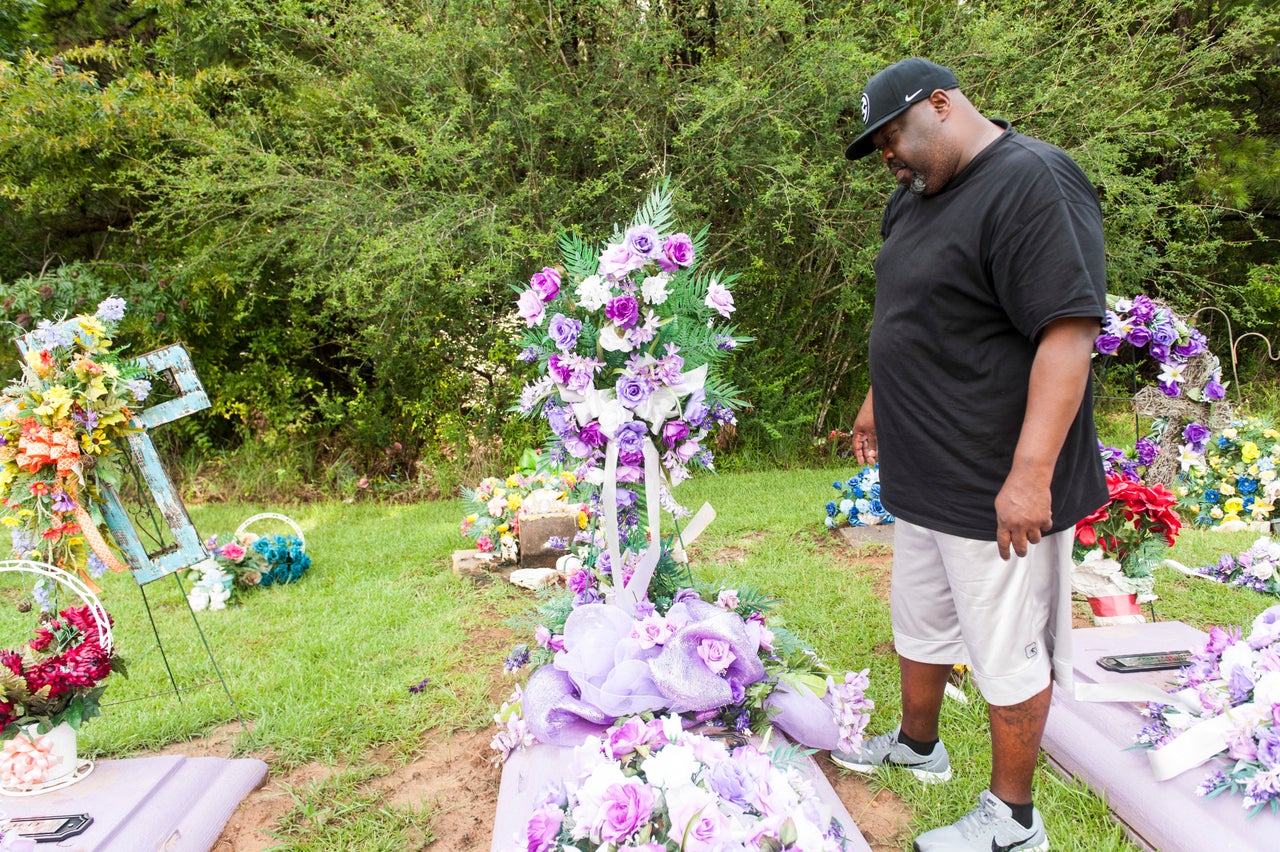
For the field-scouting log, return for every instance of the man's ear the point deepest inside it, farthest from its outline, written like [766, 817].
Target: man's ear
[940, 103]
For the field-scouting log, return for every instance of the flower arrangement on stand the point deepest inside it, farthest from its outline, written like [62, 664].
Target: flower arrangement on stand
[1236, 677]
[1257, 568]
[1231, 476]
[1149, 326]
[858, 504]
[649, 784]
[1118, 546]
[49, 689]
[62, 429]
[628, 339]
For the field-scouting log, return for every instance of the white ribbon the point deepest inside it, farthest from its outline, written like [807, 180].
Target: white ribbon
[1192, 746]
[627, 595]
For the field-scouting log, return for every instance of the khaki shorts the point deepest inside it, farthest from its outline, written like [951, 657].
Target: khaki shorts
[954, 600]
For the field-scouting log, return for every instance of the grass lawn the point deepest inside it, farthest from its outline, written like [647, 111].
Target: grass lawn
[321, 669]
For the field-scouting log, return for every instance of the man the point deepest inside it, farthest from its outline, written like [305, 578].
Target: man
[990, 290]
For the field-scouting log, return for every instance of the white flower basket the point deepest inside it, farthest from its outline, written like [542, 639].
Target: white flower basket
[71, 769]
[271, 516]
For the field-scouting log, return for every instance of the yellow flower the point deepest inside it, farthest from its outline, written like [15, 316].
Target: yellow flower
[1250, 452]
[472, 518]
[513, 502]
[513, 481]
[1270, 433]
[582, 520]
[10, 521]
[1261, 510]
[1233, 506]
[503, 528]
[55, 403]
[1226, 488]
[26, 513]
[97, 443]
[569, 479]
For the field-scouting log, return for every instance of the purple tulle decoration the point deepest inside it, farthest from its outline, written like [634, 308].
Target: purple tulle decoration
[804, 717]
[685, 680]
[553, 713]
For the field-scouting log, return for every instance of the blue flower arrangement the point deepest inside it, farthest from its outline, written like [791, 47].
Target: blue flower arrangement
[285, 557]
[859, 502]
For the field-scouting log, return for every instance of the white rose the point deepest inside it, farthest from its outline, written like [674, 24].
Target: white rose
[1262, 569]
[654, 289]
[1266, 691]
[614, 339]
[593, 292]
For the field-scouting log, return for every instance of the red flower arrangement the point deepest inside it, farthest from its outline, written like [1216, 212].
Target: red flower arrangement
[57, 676]
[1135, 527]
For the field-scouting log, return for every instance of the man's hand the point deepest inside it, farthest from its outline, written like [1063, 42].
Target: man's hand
[1024, 510]
[864, 434]
[1059, 376]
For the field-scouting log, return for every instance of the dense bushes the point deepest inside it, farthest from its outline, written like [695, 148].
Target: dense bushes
[329, 201]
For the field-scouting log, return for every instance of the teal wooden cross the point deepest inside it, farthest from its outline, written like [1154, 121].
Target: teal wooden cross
[173, 364]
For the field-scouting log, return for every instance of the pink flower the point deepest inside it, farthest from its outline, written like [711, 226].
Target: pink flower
[546, 284]
[652, 630]
[626, 738]
[627, 807]
[716, 654]
[616, 261]
[231, 551]
[719, 299]
[542, 636]
[531, 308]
[543, 826]
[727, 599]
[25, 762]
[484, 544]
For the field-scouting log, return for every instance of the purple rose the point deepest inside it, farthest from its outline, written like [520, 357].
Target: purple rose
[716, 654]
[731, 782]
[560, 420]
[1193, 346]
[627, 807]
[560, 368]
[542, 829]
[623, 310]
[564, 332]
[673, 432]
[530, 308]
[686, 595]
[1163, 332]
[630, 438]
[1266, 628]
[1196, 433]
[1138, 336]
[1143, 309]
[695, 409]
[1213, 390]
[1269, 748]
[1146, 450]
[642, 240]
[1160, 352]
[632, 390]
[592, 436]
[1107, 344]
[626, 738]
[546, 283]
[678, 249]
[581, 580]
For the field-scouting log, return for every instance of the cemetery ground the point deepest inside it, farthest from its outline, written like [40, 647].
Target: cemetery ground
[321, 670]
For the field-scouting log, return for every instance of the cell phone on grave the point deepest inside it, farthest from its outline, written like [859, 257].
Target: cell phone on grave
[1151, 662]
[49, 829]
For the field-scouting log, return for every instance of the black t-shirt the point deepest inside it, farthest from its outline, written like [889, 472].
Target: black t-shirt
[965, 281]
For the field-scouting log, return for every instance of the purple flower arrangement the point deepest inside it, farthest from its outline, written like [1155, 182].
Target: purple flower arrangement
[1238, 676]
[1257, 568]
[1167, 339]
[628, 339]
[650, 785]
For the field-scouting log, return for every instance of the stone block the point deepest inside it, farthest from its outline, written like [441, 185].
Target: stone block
[535, 530]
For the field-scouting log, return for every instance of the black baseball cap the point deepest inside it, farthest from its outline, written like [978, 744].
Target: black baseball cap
[889, 93]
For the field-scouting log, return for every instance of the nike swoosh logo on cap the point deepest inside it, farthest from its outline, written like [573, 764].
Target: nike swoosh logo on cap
[913, 94]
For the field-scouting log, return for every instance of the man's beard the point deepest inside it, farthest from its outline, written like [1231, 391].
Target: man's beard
[917, 184]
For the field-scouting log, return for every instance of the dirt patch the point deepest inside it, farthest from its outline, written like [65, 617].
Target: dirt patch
[870, 559]
[881, 816]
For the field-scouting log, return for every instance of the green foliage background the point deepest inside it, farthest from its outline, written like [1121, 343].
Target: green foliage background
[328, 200]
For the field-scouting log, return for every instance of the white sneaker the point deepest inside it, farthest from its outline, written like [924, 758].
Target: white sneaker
[990, 827]
[885, 750]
